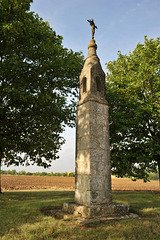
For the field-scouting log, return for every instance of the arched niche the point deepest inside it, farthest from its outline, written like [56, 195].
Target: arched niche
[98, 84]
[84, 84]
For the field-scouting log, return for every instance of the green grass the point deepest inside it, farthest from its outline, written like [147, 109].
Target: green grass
[20, 218]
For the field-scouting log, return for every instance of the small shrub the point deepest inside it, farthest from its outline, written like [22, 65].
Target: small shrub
[13, 172]
[29, 173]
[3, 172]
[9, 172]
[71, 174]
[37, 174]
[58, 174]
[43, 174]
[153, 176]
[22, 172]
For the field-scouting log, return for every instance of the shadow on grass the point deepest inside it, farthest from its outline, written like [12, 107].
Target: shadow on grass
[142, 203]
[18, 208]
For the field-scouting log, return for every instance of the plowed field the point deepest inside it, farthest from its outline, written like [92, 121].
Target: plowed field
[10, 182]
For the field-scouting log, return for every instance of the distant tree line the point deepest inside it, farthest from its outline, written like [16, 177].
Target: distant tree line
[152, 176]
[14, 172]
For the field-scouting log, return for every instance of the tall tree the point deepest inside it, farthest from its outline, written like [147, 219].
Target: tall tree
[133, 93]
[38, 77]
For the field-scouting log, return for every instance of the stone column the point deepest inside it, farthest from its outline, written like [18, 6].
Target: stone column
[93, 177]
[93, 196]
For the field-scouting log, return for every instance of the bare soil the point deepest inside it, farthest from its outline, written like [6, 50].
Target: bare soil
[10, 182]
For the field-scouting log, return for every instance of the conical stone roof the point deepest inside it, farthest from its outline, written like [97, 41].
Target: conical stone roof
[92, 77]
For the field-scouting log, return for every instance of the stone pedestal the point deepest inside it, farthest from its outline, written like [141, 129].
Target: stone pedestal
[96, 211]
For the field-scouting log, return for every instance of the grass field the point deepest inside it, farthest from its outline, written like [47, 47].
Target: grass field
[21, 218]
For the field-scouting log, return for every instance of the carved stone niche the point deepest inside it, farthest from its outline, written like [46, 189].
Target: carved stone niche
[98, 87]
[84, 85]
[98, 81]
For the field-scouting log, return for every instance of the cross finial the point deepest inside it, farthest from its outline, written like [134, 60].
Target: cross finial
[93, 27]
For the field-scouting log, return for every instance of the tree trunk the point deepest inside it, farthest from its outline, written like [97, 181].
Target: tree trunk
[159, 171]
[0, 176]
[0, 167]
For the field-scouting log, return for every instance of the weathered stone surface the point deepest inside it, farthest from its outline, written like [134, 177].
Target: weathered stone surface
[93, 180]
[68, 207]
[83, 182]
[93, 155]
[83, 166]
[83, 196]
[93, 195]
[108, 210]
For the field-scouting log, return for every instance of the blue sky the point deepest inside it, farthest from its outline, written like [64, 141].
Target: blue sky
[121, 25]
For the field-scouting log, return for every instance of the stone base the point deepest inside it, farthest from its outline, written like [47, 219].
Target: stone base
[111, 210]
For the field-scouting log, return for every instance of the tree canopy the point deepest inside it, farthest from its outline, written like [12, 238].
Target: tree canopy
[37, 77]
[133, 93]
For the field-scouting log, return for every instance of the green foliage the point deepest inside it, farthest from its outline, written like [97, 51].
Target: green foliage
[37, 76]
[13, 172]
[36, 174]
[43, 174]
[21, 218]
[71, 174]
[133, 93]
[9, 172]
[64, 174]
[29, 173]
[51, 174]
[153, 176]
[22, 172]
[3, 172]
[58, 174]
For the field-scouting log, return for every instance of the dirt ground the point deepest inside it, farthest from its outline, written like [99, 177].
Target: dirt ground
[10, 182]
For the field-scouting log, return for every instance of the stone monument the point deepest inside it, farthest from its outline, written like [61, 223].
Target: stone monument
[93, 196]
